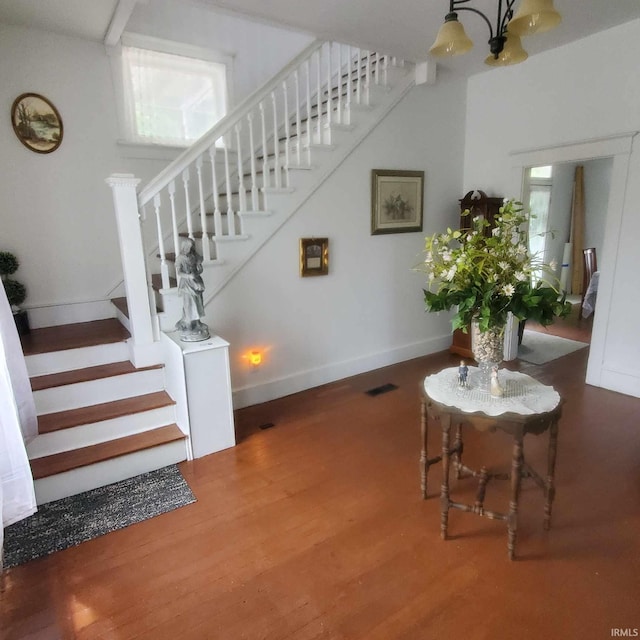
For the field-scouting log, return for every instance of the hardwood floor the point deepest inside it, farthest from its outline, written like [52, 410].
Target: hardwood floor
[573, 327]
[315, 529]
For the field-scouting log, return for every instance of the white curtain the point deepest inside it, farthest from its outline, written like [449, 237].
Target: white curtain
[18, 424]
[171, 99]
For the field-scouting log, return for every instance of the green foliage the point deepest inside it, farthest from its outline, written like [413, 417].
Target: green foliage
[487, 275]
[8, 263]
[16, 292]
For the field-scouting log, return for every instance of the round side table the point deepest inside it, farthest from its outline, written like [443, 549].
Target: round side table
[527, 406]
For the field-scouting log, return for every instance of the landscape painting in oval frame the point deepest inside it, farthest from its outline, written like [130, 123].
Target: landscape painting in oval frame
[36, 122]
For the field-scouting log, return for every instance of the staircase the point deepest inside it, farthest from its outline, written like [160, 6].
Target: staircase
[100, 417]
[244, 179]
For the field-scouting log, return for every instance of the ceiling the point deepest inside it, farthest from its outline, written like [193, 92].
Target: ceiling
[405, 28]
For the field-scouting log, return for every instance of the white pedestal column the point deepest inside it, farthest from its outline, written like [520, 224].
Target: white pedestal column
[198, 379]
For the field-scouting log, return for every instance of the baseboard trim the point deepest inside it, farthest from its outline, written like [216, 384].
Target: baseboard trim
[250, 395]
[619, 381]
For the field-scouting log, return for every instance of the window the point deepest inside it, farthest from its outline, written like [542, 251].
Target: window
[538, 199]
[170, 98]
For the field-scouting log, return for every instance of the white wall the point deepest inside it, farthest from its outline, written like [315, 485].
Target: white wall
[369, 311]
[57, 213]
[570, 94]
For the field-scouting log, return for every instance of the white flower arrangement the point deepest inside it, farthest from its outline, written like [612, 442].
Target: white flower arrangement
[487, 275]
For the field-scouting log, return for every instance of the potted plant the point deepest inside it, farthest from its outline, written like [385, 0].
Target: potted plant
[16, 291]
[484, 277]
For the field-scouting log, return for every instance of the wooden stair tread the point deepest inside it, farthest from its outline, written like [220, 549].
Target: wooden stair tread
[156, 281]
[68, 460]
[121, 305]
[73, 336]
[105, 411]
[84, 375]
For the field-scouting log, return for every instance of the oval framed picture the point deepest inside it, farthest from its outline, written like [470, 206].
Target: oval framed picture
[36, 122]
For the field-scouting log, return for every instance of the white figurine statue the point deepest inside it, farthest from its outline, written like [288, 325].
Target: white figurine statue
[496, 390]
[191, 288]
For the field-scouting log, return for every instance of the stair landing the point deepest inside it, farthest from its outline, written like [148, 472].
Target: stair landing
[73, 336]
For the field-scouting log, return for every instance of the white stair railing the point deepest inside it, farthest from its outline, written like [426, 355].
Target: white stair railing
[220, 171]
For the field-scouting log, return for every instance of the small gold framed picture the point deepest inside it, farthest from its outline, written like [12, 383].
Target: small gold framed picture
[314, 257]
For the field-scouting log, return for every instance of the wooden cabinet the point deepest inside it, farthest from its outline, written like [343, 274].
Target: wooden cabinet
[479, 204]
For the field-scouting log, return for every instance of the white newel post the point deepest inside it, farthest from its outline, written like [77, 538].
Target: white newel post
[144, 350]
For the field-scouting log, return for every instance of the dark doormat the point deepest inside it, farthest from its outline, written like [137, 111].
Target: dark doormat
[68, 522]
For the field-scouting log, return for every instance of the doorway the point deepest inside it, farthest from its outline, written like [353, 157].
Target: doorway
[619, 148]
[548, 194]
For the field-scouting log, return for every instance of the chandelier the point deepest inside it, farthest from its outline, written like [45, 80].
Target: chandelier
[532, 16]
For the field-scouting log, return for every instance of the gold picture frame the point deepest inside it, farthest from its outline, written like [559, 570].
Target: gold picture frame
[397, 201]
[36, 122]
[314, 257]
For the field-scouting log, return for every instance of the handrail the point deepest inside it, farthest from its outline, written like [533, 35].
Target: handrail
[175, 168]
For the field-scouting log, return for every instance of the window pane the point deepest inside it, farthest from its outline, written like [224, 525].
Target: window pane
[172, 98]
[541, 172]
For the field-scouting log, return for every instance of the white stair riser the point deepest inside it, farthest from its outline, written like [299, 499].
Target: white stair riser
[82, 394]
[103, 473]
[58, 361]
[89, 434]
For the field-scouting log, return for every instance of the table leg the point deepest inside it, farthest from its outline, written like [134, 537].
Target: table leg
[457, 456]
[424, 460]
[550, 489]
[516, 476]
[444, 489]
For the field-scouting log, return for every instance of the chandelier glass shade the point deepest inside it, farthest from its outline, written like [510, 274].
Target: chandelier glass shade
[532, 16]
[452, 39]
[512, 52]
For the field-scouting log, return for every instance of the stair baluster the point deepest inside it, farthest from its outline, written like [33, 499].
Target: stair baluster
[164, 268]
[242, 194]
[231, 226]
[277, 170]
[358, 77]
[349, 82]
[296, 80]
[185, 182]
[255, 199]
[319, 97]
[329, 85]
[171, 188]
[266, 180]
[217, 216]
[206, 247]
[287, 134]
[368, 79]
[339, 80]
[307, 65]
